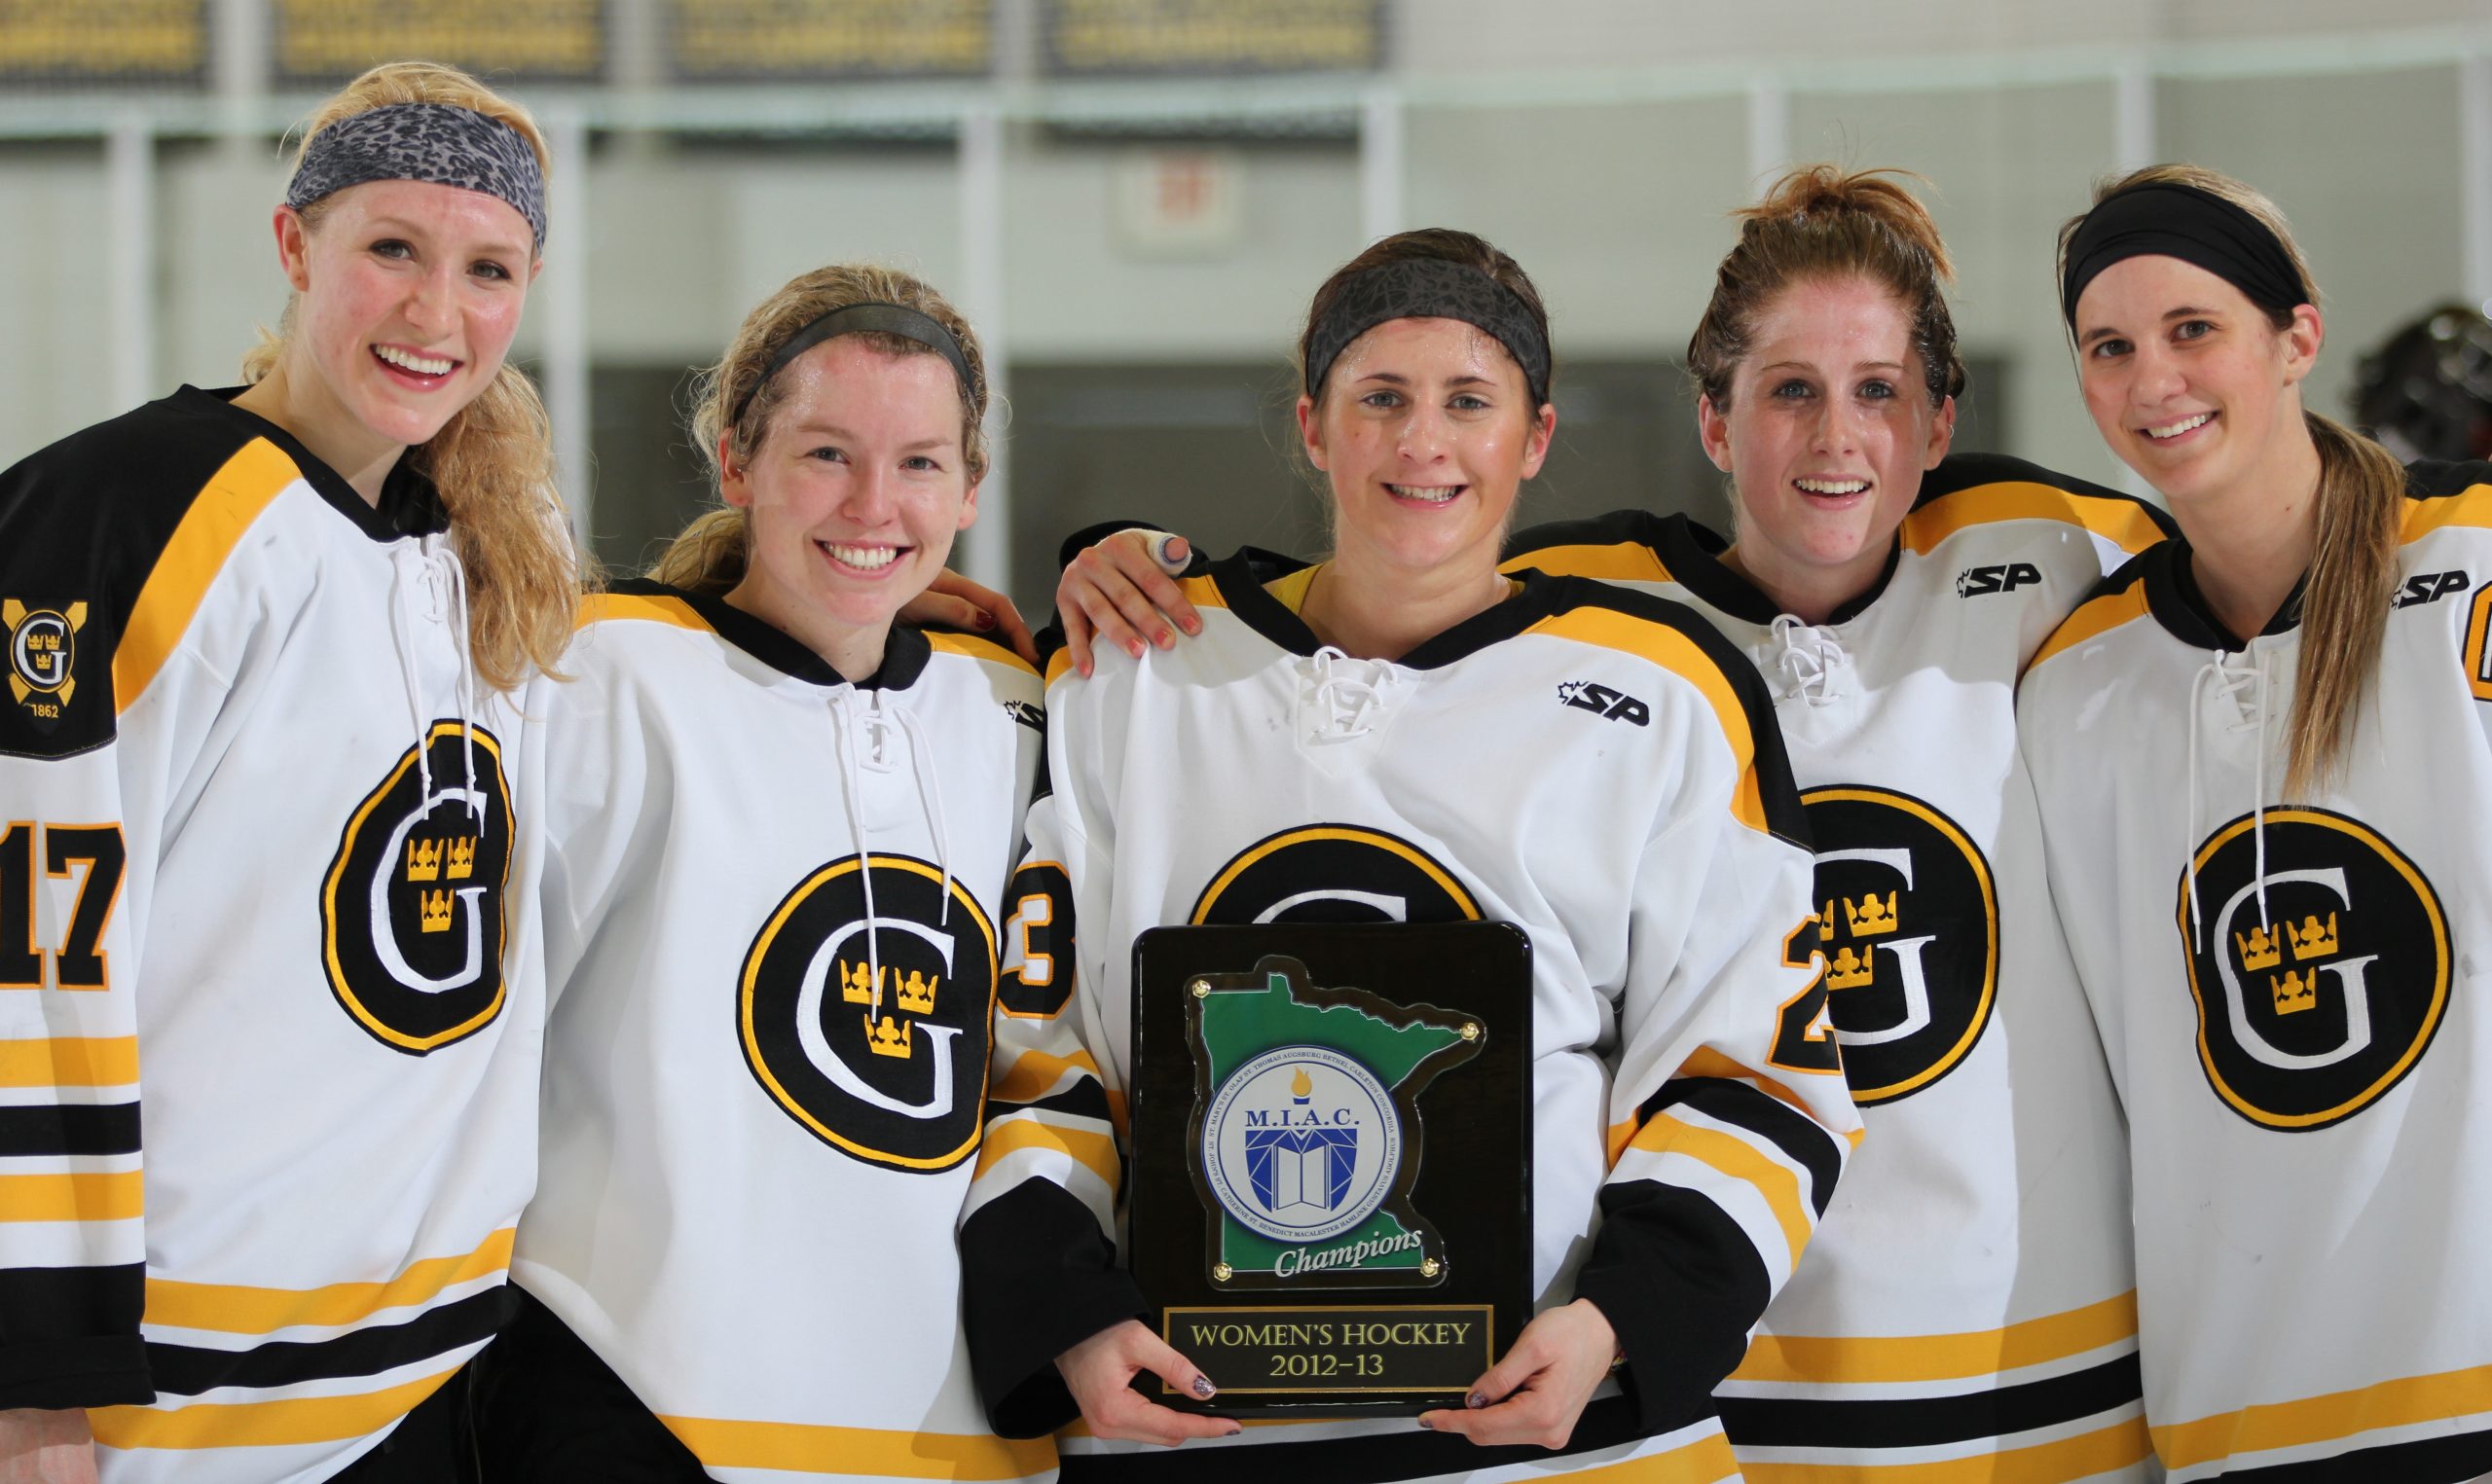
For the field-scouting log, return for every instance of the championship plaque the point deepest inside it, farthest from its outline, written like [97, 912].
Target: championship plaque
[1331, 1196]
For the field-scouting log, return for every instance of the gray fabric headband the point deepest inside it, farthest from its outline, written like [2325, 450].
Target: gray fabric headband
[1430, 288]
[847, 320]
[436, 143]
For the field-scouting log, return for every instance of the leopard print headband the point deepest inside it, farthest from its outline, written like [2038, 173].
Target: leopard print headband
[434, 142]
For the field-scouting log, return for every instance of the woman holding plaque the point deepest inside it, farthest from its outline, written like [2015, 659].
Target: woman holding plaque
[266, 749]
[2261, 759]
[770, 980]
[1403, 733]
[1890, 594]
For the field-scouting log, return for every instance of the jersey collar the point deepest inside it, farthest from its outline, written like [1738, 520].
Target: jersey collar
[1241, 578]
[410, 505]
[1692, 554]
[2177, 603]
[904, 654]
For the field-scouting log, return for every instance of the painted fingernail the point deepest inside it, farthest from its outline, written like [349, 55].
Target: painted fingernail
[1163, 638]
[1134, 649]
[983, 619]
[1476, 1400]
[1424, 1423]
[1204, 1388]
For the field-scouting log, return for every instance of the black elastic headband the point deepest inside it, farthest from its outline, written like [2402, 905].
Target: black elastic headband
[2171, 220]
[438, 143]
[885, 318]
[1430, 288]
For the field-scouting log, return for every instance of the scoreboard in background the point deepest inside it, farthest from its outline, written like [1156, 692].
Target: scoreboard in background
[103, 41]
[1106, 38]
[797, 40]
[317, 42]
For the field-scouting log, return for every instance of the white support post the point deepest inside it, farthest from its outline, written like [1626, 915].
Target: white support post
[239, 66]
[989, 558]
[565, 289]
[130, 248]
[2133, 122]
[1383, 156]
[1769, 128]
[2474, 184]
[2134, 147]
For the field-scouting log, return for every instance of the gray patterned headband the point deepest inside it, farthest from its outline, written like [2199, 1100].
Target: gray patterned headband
[437, 143]
[1430, 288]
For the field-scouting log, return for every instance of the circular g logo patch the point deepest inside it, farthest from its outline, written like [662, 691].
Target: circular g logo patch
[1909, 921]
[891, 1070]
[1302, 1143]
[411, 911]
[2309, 1012]
[1333, 873]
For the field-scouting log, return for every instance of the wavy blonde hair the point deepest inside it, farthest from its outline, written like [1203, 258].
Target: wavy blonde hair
[2360, 523]
[710, 555]
[492, 462]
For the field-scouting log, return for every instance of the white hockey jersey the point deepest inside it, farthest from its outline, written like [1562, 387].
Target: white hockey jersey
[264, 877]
[2291, 997]
[773, 911]
[1592, 764]
[1969, 1299]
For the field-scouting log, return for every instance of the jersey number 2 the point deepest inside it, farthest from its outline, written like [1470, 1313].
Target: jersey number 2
[1804, 1034]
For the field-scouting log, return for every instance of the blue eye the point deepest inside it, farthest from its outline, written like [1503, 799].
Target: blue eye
[828, 453]
[2192, 329]
[1878, 390]
[1792, 391]
[1382, 399]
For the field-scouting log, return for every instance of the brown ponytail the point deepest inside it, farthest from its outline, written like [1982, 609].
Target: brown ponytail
[492, 462]
[1819, 221]
[709, 555]
[2357, 525]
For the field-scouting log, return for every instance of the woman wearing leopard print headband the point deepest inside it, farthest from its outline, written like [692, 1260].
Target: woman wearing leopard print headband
[266, 643]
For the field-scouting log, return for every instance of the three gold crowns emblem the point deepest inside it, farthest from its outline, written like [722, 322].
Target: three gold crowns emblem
[912, 993]
[2262, 948]
[1871, 916]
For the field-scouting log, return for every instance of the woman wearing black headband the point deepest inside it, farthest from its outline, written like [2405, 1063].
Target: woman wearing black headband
[1977, 1252]
[780, 826]
[2261, 757]
[263, 734]
[1403, 733]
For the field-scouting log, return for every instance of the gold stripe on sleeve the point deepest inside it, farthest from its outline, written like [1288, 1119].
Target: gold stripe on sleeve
[71, 1060]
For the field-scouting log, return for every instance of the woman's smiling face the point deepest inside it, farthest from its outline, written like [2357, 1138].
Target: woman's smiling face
[1828, 432]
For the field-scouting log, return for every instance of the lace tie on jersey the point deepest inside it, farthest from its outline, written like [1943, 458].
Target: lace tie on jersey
[2242, 680]
[1346, 702]
[430, 572]
[1807, 661]
[867, 722]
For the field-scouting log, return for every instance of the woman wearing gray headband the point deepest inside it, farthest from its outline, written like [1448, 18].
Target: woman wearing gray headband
[1403, 733]
[2262, 760]
[267, 648]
